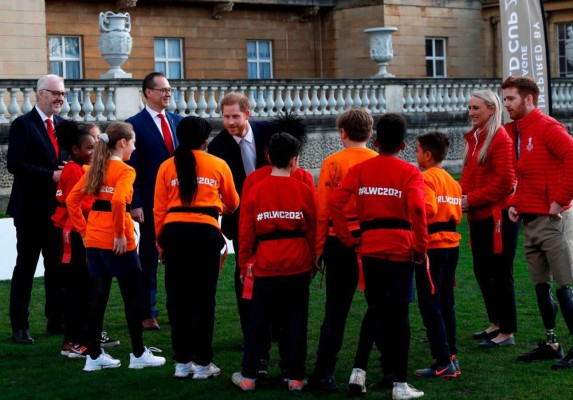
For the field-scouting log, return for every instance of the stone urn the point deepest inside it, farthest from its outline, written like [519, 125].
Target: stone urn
[381, 48]
[115, 42]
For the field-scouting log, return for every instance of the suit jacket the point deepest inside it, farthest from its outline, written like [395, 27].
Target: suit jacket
[32, 160]
[150, 152]
[224, 146]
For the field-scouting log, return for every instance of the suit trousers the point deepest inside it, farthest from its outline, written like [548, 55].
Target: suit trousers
[35, 235]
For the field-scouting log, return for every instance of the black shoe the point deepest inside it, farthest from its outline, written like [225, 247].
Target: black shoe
[106, 341]
[565, 363]
[485, 335]
[490, 344]
[543, 351]
[22, 336]
[325, 382]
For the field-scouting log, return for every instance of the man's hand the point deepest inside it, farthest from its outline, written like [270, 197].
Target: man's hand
[137, 214]
[57, 174]
[513, 214]
[555, 210]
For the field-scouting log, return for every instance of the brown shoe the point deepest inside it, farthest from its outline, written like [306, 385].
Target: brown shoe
[150, 324]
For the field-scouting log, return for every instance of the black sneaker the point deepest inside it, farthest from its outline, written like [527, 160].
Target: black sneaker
[106, 341]
[325, 382]
[565, 363]
[438, 371]
[543, 351]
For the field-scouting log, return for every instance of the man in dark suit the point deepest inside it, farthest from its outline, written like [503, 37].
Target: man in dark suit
[155, 142]
[242, 145]
[36, 162]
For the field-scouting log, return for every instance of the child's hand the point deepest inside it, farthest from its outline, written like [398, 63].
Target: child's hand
[119, 245]
[318, 264]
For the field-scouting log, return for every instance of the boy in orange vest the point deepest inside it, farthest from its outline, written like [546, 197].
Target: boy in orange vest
[435, 280]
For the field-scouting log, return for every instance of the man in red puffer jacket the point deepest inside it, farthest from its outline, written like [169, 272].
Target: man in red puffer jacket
[544, 161]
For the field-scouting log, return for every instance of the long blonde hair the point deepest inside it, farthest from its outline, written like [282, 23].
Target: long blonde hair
[494, 122]
[104, 147]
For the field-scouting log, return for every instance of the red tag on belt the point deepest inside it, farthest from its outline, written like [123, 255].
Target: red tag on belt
[361, 282]
[67, 240]
[248, 283]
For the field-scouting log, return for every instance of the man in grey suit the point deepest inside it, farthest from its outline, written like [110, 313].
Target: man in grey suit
[36, 162]
[155, 142]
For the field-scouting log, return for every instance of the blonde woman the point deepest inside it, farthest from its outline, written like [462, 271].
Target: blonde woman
[488, 181]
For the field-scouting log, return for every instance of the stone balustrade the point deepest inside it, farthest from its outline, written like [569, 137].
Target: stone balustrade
[97, 100]
[430, 104]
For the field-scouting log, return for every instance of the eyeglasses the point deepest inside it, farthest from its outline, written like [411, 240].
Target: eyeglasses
[55, 93]
[163, 91]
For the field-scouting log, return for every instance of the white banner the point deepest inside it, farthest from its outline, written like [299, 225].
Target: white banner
[524, 45]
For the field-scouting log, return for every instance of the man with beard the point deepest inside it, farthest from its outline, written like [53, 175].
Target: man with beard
[544, 161]
[241, 144]
[35, 160]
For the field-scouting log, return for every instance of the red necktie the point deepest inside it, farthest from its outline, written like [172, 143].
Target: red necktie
[166, 134]
[52, 136]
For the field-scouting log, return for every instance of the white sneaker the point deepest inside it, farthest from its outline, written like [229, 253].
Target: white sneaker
[104, 360]
[245, 384]
[403, 391]
[147, 359]
[357, 382]
[206, 371]
[182, 370]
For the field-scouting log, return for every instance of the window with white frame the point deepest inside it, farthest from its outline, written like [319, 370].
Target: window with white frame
[259, 59]
[65, 53]
[436, 57]
[169, 57]
[565, 49]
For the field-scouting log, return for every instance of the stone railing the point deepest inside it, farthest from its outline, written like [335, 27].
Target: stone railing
[97, 100]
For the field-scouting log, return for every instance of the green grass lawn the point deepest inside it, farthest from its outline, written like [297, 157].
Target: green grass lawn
[39, 372]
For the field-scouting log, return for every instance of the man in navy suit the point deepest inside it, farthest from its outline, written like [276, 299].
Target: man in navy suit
[155, 141]
[242, 145]
[36, 162]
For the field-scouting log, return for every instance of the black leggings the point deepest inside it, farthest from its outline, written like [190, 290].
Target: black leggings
[128, 281]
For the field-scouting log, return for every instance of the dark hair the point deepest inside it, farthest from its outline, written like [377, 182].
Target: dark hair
[148, 81]
[290, 123]
[437, 143]
[69, 133]
[282, 147]
[192, 133]
[357, 123]
[525, 86]
[390, 131]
